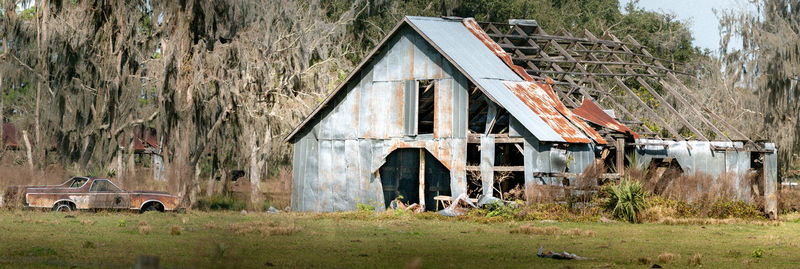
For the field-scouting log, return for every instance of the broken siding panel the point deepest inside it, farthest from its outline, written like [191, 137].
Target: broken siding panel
[339, 177]
[443, 106]
[365, 174]
[487, 164]
[581, 156]
[395, 110]
[458, 172]
[558, 163]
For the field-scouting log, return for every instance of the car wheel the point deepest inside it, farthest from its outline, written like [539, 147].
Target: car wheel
[150, 207]
[62, 207]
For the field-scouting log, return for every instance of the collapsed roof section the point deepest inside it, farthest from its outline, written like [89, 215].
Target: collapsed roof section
[586, 66]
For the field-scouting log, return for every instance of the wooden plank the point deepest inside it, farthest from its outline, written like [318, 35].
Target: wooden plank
[499, 168]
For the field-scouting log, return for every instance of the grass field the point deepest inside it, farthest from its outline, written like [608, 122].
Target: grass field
[32, 239]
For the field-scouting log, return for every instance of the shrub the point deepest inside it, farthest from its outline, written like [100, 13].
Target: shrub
[625, 200]
[175, 230]
[758, 253]
[696, 259]
[666, 257]
[220, 202]
[724, 208]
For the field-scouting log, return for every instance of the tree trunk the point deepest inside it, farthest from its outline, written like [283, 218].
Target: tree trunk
[28, 148]
[255, 170]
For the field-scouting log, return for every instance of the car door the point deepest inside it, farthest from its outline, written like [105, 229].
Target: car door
[104, 194]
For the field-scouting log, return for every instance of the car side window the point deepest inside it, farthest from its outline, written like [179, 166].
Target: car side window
[103, 186]
[77, 182]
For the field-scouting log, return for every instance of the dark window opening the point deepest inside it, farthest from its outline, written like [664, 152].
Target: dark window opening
[509, 186]
[509, 154]
[425, 108]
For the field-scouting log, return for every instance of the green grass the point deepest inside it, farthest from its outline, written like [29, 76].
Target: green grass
[32, 239]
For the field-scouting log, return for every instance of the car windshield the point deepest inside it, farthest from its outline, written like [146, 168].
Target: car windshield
[77, 182]
[103, 185]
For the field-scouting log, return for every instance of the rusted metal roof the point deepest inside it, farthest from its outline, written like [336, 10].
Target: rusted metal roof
[544, 92]
[535, 97]
[593, 113]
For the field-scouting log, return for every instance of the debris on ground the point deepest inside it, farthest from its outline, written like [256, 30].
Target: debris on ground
[273, 210]
[244, 212]
[415, 208]
[458, 207]
[559, 256]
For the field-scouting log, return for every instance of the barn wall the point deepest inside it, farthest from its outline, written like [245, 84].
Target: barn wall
[336, 161]
[699, 157]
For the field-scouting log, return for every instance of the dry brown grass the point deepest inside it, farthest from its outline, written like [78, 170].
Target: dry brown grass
[789, 200]
[657, 213]
[535, 193]
[704, 187]
[666, 257]
[145, 229]
[142, 223]
[551, 230]
[210, 225]
[696, 259]
[87, 222]
[175, 230]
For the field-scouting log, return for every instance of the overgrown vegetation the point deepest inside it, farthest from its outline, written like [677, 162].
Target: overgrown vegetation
[625, 200]
[220, 202]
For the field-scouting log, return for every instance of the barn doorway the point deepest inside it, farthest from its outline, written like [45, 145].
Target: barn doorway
[400, 178]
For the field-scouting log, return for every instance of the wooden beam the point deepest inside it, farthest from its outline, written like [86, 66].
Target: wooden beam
[621, 156]
[630, 92]
[498, 168]
[498, 139]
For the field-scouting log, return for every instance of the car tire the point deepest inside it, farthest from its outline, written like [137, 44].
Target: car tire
[150, 207]
[62, 207]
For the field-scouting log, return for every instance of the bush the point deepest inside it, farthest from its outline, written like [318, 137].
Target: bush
[721, 209]
[625, 200]
[220, 202]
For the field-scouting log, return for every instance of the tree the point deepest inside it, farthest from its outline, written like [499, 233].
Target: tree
[769, 63]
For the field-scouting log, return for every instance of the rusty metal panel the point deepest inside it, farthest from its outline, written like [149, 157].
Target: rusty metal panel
[532, 122]
[443, 107]
[593, 113]
[487, 164]
[536, 98]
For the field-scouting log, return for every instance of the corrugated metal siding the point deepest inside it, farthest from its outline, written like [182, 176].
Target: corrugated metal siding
[443, 106]
[537, 100]
[336, 165]
[593, 113]
[487, 164]
[532, 122]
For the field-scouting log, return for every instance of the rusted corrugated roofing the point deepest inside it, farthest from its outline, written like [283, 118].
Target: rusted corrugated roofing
[535, 97]
[593, 113]
[543, 92]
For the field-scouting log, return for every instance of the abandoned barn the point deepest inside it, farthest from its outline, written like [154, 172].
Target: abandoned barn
[449, 106]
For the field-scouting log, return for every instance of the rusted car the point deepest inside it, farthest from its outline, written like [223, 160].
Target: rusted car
[94, 193]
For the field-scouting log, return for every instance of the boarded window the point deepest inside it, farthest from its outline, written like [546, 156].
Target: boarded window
[425, 107]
